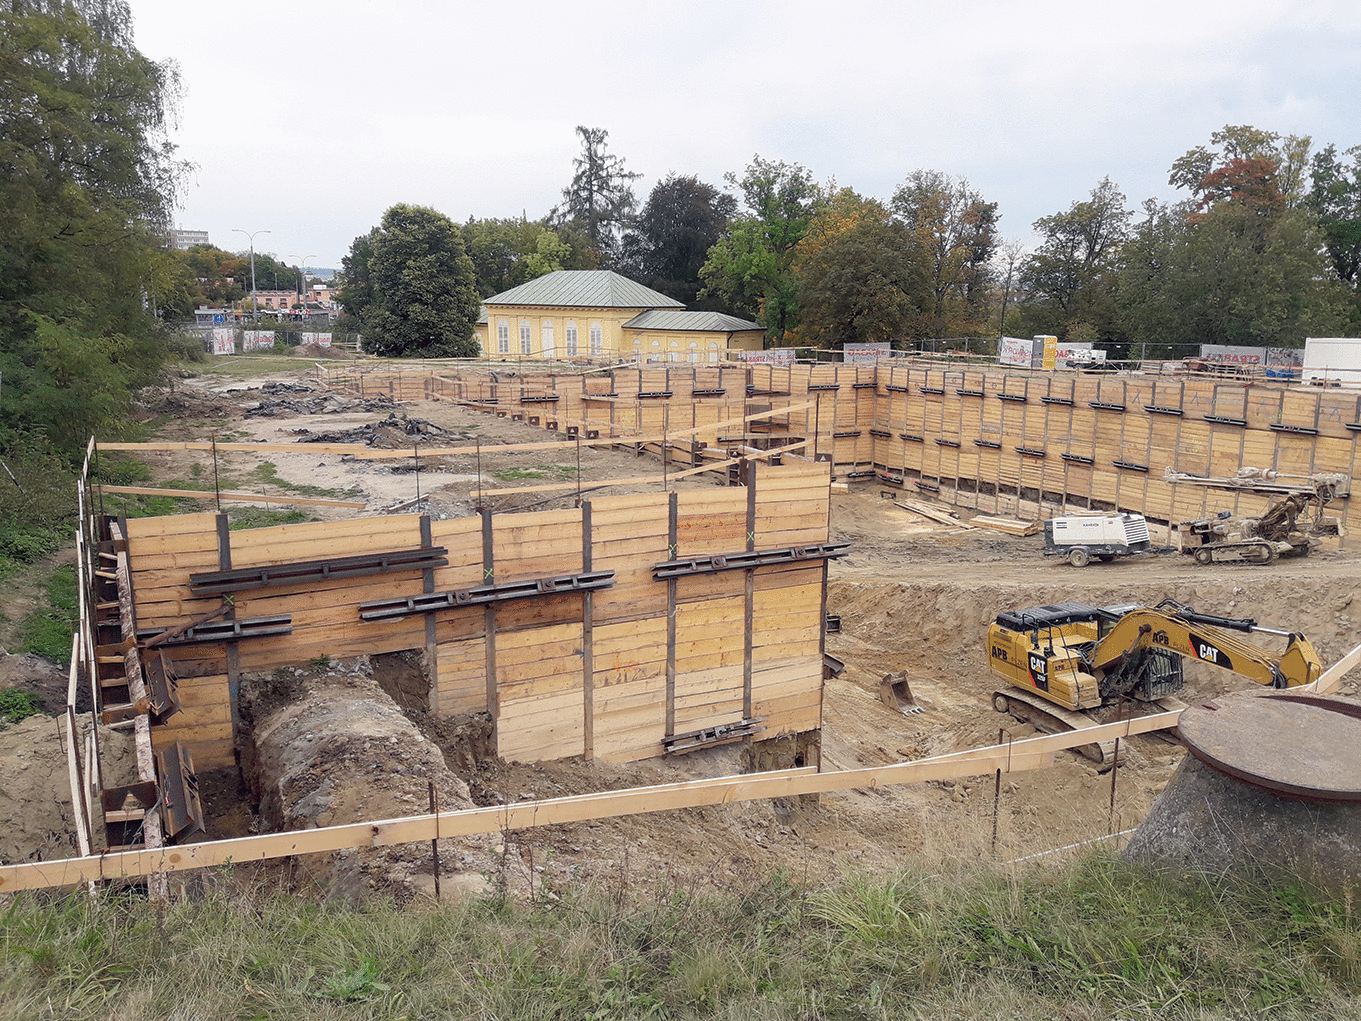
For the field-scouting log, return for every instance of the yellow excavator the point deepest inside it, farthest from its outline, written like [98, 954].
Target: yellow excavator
[1068, 658]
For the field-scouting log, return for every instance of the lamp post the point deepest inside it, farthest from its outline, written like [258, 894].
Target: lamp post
[302, 282]
[251, 235]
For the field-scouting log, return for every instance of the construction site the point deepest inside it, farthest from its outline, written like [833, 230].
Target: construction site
[682, 622]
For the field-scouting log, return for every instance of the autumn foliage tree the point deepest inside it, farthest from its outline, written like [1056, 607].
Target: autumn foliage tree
[858, 279]
[954, 231]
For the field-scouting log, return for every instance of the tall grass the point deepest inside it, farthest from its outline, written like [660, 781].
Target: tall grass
[1097, 939]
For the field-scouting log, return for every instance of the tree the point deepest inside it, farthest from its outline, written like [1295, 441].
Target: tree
[84, 204]
[415, 286]
[750, 269]
[1072, 277]
[1201, 170]
[1335, 199]
[1227, 276]
[1242, 261]
[600, 198]
[956, 232]
[354, 284]
[669, 242]
[858, 280]
[506, 253]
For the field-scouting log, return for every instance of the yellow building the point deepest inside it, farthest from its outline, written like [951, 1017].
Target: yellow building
[597, 314]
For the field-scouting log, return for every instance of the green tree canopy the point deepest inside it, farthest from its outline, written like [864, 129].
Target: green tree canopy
[1335, 199]
[84, 204]
[1228, 276]
[751, 269]
[412, 286]
[858, 279]
[1243, 261]
[1072, 277]
[506, 253]
[669, 241]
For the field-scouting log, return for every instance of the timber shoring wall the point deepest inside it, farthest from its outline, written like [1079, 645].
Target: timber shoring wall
[606, 673]
[981, 435]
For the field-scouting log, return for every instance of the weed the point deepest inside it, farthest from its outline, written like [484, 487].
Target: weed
[548, 471]
[361, 983]
[47, 632]
[16, 704]
[262, 517]
[319, 663]
[267, 473]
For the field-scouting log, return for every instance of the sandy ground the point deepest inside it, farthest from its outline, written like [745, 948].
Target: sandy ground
[912, 595]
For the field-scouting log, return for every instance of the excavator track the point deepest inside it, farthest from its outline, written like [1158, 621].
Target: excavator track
[1049, 718]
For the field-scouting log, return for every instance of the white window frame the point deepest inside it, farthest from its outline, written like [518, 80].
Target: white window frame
[502, 336]
[546, 336]
[693, 355]
[571, 338]
[597, 339]
[713, 352]
[526, 338]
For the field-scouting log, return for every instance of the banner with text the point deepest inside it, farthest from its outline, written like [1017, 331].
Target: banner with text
[856, 354]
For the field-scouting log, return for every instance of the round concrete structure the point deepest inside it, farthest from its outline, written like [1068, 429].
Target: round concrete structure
[1267, 790]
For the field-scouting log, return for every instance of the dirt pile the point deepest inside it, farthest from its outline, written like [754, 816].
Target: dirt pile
[328, 746]
[35, 793]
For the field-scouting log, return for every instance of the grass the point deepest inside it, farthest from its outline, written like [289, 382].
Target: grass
[47, 631]
[17, 704]
[1099, 939]
[255, 363]
[549, 471]
[267, 473]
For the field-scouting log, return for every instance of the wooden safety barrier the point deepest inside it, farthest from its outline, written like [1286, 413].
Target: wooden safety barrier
[1018, 756]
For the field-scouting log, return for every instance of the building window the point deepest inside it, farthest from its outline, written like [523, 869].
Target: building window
[597, 339]
[571, 338]
[694, 352]
[674, 354]
[503, 336]
[656, 354]
[524, 337]
[637, 348]
[547, 334]
[713, 351]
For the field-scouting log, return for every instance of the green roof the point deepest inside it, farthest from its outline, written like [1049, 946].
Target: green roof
[692, 322]
[584, 288]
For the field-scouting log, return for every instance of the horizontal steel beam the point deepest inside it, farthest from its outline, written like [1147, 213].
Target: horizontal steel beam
[303, 571]
[744, 559]
[406, 606]
[228, 630]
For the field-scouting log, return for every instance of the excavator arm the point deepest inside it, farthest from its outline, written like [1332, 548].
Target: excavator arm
[1208, 639]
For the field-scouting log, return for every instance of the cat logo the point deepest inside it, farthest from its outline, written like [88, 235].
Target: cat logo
[1038, 674]
[1209, 653]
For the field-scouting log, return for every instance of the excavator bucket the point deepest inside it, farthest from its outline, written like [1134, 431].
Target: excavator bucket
[896, 693]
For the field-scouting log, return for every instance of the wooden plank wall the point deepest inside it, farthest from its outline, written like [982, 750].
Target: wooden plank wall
[983, 435]
[605, 674]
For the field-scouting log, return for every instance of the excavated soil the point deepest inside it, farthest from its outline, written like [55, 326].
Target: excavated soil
[912, 595]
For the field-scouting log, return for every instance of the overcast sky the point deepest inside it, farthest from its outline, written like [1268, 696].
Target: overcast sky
[310, 125]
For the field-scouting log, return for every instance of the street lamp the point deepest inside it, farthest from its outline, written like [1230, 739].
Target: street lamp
[251, 235]
[302, 281]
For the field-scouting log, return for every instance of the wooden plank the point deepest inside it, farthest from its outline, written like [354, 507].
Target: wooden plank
[234, 497]
[171, 524]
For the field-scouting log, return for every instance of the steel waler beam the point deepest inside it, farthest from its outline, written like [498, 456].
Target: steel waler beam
[744, 559]
[406, 606]
[305, 571]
